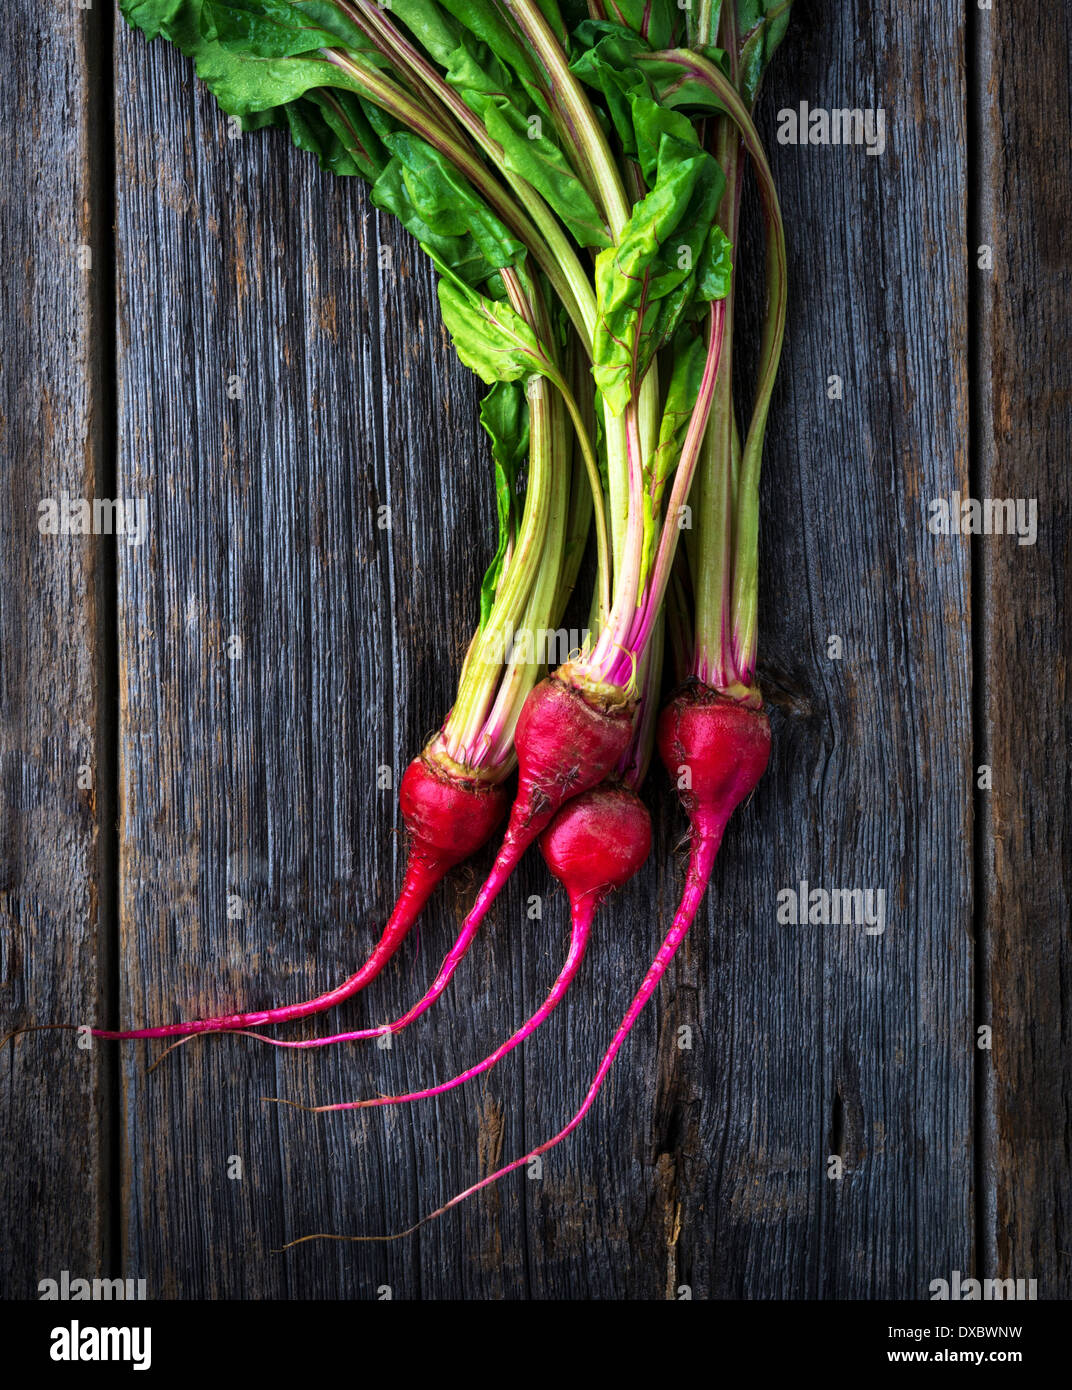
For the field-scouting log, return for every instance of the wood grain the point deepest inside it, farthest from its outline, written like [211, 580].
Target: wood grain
[822, 1041]
[257, 776]
[702, 1168]
[1024, 382]
[282, 377]
[53, 1203]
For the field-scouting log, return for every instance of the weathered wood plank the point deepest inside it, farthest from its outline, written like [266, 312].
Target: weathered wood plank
[53, 1209]
[1024, 385]
[258, 776]
[703, 1168]
[821, 1040]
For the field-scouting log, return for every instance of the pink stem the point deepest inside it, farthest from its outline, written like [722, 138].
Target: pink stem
[690, 453]
[627, 580]
[583, 912]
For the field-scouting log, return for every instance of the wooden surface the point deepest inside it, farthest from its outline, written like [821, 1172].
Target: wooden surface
[280, 375]
[55, 952]
[1024, 443]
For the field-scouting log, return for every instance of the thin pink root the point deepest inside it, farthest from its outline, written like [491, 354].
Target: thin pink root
[702, 857]
[447, 817]
[701, 861]
[582, 922]
[558, 733]
[413, 897]
[233, 1023]
[451, 962]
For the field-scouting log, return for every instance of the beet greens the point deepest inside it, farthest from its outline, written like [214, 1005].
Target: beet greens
[574, 175]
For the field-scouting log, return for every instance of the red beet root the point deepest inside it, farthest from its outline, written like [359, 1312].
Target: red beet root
[724, 744]
[715, 749]
[565, 746]
[596, 844]
[448, 818]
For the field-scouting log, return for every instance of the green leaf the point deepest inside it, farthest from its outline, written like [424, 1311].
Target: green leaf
[715, 267]
[179, 21]
[504, 413]
[243, 80]
[436, 31]
[675, 88]
[529, 153]
[665, 255]
[573, 13]
[552, 12]
[521, 123]
[489, 336]
[433, 201]
[654, 123]
[689, 356]
[478, 74]
[761, 26]
[609, 67]
[244, 86]
[272, 28]
[655, 23]
[485, 20]
[315, 127]
[338, 25]
[347, 140]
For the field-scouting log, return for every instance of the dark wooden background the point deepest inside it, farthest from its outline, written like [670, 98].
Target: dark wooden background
[257, 351]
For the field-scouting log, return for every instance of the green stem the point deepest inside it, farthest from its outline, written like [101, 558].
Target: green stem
[397, 103]
[746, 540]
[396, 47]
[489, 663]
[627, 571]
[393, 100]
[583, 131]
[612, 666]
[482, 672]
[703, 36]
[595, 487]
[580, 523]
[759, 32]
[541, 613]
[579, 127]
[715, 483]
